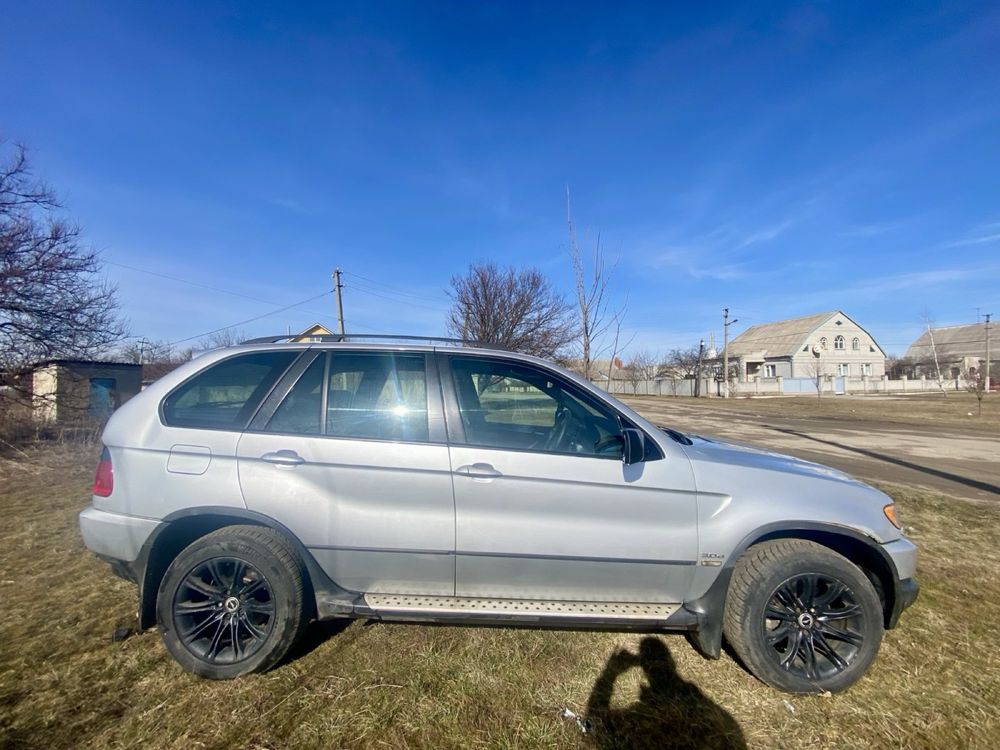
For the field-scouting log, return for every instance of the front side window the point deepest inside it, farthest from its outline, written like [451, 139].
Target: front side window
[770, 371]
[225, 395]
[518, 407]
[378, 396]
[843, 369]
[867, 368]
[856, 344]
[838, 342]
[822, 343]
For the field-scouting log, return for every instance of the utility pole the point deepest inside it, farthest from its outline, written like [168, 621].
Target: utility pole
[988, 316]
[726, 322]
[697, 372]
[340, 304]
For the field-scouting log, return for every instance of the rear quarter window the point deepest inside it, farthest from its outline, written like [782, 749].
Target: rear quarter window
[225, 395]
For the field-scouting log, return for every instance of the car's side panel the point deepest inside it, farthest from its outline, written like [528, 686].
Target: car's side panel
[378, 516]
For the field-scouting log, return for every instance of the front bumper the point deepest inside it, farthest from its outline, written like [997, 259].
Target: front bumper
[906, 593]
[903, 554]
[113, 536]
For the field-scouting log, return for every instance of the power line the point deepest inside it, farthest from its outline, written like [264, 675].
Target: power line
[197, 284]
[394, 289]
[250, 320]
[392, 299]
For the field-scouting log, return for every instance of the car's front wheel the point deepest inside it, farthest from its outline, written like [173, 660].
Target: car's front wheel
[801, 617]
[232, 602]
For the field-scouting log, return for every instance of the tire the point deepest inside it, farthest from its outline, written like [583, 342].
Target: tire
[801, 617]
[232, 602]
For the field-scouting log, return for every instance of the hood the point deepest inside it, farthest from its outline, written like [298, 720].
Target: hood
[712, 450]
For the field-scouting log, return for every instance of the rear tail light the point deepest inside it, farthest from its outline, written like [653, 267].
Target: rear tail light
[104, 477]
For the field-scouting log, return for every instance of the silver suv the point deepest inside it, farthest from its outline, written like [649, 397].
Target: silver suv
[264, 485]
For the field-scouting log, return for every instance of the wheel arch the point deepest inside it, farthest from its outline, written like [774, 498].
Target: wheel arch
[860, 549]
[183, 527]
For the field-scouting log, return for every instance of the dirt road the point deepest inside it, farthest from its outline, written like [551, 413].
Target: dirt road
[947, 459]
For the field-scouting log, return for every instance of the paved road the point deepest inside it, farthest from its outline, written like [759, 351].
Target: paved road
[947, 460]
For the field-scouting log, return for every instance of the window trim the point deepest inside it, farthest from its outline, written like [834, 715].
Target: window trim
[161, 413]
[436, 434]
[456, 428]
[842, 341]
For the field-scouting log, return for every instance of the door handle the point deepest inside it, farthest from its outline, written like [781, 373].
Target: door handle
[478, 471]
[283, 458]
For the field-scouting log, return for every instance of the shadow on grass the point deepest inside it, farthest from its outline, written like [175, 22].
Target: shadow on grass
[317, 633]
[670, 712]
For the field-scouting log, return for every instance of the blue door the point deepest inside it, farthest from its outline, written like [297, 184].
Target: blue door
[102, 398]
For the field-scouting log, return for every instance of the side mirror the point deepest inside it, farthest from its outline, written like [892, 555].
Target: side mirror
[634, 446]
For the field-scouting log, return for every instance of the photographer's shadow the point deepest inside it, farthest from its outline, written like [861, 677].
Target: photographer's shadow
[670, 712]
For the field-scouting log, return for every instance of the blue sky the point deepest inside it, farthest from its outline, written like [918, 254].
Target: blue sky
[776, 159]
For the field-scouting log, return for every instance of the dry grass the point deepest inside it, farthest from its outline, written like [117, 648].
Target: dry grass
[956, 408]
[64, 683]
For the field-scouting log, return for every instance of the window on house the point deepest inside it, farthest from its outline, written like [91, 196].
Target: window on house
[838, 343]
[867, 368]
[843, 369]
[822, 343]
[856, 344]
[770, 371]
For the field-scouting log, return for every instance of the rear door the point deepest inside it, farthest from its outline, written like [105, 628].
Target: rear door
[350, 455]
[545, 507]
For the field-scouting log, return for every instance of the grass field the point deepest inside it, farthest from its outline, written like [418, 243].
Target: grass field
[65, 684]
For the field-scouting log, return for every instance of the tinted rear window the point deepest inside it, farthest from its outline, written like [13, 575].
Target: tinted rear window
[225, 395]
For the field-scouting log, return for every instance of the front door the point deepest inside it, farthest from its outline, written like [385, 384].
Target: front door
[544, 506]
[352, 458]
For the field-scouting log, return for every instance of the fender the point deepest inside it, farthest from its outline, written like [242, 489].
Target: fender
[154, 558]
[710, 608]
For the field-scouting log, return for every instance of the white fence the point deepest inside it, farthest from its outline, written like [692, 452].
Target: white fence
[780, 386]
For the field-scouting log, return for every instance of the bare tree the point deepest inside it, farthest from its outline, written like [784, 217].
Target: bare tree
[633, 373]
[156, 357]
[599, 324]
[817, 370]
[975, 383]
[516, 309]
[223, 338]
[54, 300]
[929, 323]
[682, 363]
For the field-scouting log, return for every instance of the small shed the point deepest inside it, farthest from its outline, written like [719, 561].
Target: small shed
[73, 390]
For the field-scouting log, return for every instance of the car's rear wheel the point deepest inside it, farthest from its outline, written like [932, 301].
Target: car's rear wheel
[232, 602]
[801, 617]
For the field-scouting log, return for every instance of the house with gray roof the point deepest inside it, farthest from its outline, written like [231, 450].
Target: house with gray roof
[960, 349]
[827, 343]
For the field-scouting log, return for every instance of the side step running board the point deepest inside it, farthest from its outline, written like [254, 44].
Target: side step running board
[432, 607]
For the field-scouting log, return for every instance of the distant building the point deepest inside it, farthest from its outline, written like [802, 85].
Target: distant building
[313, 333]
[70, 390]
[828, 343]
[960, 350]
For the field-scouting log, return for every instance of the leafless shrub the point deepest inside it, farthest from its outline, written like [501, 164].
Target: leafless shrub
[515, 309]
[54, 301]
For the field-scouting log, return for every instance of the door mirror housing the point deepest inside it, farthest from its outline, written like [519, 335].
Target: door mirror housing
[633, 446]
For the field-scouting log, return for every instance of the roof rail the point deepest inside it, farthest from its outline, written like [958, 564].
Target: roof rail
[345, 337]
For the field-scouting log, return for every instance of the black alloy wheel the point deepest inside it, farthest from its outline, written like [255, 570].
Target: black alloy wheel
[224, 610]
[815, 625]
[232, 602]
[801, 617]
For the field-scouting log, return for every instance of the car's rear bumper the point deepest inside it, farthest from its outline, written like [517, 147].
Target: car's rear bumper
[114, 536]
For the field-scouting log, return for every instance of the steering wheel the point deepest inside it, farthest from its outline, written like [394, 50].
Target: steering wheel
[560, 426]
